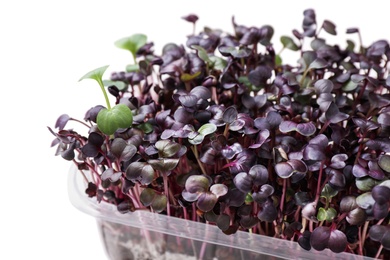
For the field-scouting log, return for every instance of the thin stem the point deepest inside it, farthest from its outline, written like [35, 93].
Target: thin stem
[81, 122]
[165, 178]
[379, 252]
[226, 130]
[364, 232]
[283, 196]
[195, 151]
[318, 191]
[104, 93]
[303, 77]
[361, 43]
[324, 127]
[360, 241]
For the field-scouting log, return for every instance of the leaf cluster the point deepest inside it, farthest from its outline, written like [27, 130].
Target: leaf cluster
[220, 129]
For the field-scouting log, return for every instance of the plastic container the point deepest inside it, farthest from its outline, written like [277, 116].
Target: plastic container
[146, 235]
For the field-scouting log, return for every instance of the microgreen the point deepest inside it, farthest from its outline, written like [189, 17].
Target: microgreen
[221, 130]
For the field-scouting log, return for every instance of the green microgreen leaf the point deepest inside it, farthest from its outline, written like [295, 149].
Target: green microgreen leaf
[188, 77]
[326, 214]
[217, 63]
[327, 192]
[207, 129]
[147, 128]
[159, 203]
[147, 196]
[110, 120]
[132, 43]
[132, 68]
[202, 53]
[289, 43]
[97, 74]
[119, 84]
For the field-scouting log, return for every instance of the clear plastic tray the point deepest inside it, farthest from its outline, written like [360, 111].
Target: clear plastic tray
[146, 235]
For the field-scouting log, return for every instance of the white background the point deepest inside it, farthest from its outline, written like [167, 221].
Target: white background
[46, 46]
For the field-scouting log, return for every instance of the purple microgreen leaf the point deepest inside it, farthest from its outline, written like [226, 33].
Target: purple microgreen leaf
[320, 237]
[338, 161]
[298, 165]
[284, 170]
[268, 212]
[380, 211]
[306, 129]
[201, 92]
[197, 183]
[337, 241]
[265, 191]
[287, 126]
[365, 200]
[163, 164]
[230, 151]
[302, 198]
[356, 216]
[347, 204]
[359, 171]
[323, 86]
[378, 48]
[182, 116]
[89, 150]
[381, 194]
[167, 148]
[329, 27]
[274, 119]
[62, 121]
[381, 234]
[334, 115]
[352, 30]
[91, 189]
[337, 179]
[190, 197]
[122, 150]
[237, 125]
[223, 222]
[261, 139]
[260, 75]
[377, 231]
[230, 114]
[192, 18]
[259, 174]
[188, 100]
[313, 152]
[206, 201]
[318, 63]
[243, 182]
[219, 190]
[375, 171]
[140, 171]
[111, 175]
